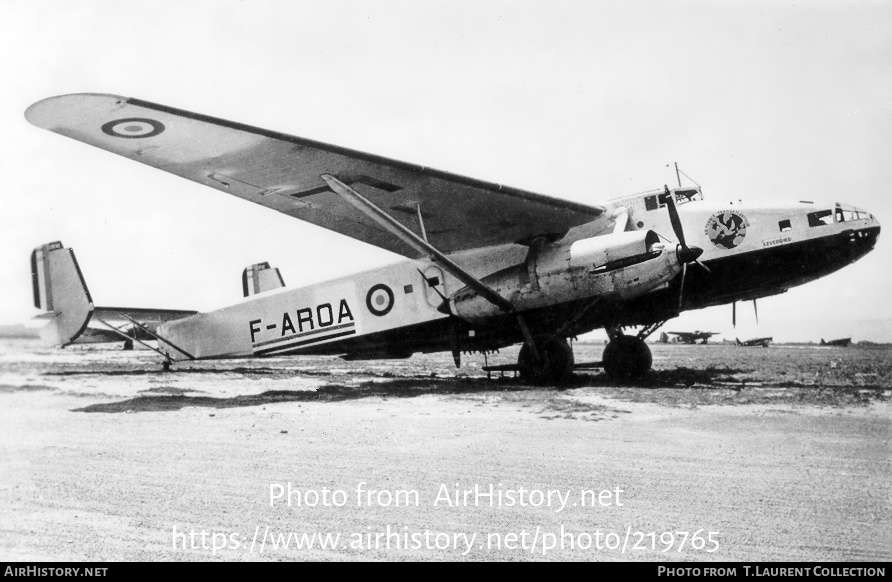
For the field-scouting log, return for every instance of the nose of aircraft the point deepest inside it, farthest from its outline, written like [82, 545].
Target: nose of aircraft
[874, 228]
[865, 238]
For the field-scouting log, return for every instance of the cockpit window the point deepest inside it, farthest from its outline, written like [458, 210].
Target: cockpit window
[820, 218]
[683, 196]
[846, 213]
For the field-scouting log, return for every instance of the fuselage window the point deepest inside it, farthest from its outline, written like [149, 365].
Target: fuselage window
[785, 225]
[650, 203]
[820, 218]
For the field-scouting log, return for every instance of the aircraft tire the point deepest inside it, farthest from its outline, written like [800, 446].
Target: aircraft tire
[627, 358]
[555, 365]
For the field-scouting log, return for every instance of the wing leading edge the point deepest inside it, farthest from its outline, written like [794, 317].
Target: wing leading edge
[284, 172]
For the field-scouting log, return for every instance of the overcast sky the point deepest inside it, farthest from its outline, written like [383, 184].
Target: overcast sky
[580, 100]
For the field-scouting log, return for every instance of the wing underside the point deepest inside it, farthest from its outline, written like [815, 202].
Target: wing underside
[284, 172]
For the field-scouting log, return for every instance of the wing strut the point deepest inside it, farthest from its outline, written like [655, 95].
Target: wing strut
[421, 222]
[397, 229]
[131, 338]
[156, 336]
[421, 245]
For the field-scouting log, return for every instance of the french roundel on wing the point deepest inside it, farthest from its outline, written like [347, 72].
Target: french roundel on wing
[379, 300]
[133, 127]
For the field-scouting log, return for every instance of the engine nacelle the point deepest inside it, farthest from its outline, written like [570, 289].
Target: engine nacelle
[615, 249]
[621, 265]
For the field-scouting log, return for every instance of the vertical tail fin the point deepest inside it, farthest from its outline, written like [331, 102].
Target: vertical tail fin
[60, 290]
[259, 278]
[737, 339]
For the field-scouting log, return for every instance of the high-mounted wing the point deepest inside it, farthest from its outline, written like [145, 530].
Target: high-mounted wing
[284, 172]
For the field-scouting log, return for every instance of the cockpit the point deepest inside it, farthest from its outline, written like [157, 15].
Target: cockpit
[682, 196]
[841, 213]
[846, 213]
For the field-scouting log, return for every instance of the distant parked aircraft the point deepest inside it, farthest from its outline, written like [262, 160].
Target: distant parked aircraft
[691, 337]
[759, 341]
[842, 343]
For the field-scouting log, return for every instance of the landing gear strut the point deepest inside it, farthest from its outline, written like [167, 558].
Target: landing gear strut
[554, 364]
[626, 357]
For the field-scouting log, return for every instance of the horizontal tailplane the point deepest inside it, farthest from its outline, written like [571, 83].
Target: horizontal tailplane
[60, 290]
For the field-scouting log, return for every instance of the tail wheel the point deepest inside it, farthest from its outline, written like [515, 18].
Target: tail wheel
[554, 366]
[626, 358]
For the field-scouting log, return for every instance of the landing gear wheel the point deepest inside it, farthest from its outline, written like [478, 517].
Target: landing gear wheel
[626, 358]
[554, 366]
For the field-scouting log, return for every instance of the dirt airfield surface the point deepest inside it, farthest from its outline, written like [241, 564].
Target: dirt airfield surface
[758, 454]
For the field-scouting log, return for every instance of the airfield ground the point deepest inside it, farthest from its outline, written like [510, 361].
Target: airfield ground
[784, 451]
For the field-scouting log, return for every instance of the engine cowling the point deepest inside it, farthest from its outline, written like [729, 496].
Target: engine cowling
[615, 249]
[621, 265]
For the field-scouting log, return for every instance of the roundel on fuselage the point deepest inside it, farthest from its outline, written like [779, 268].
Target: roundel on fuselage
[379, 299]
[727, 229]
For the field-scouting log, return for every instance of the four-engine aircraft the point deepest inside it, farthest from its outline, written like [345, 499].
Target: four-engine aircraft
[487, 265]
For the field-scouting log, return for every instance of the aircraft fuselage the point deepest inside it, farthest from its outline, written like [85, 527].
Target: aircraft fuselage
[751, 251]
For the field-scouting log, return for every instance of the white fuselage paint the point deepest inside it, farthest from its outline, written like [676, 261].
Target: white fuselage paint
[283, 321]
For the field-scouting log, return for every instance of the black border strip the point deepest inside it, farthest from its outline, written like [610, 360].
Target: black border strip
[245, 282]
[35, 279]
[594, 212]
[269, 351]
[305, 333]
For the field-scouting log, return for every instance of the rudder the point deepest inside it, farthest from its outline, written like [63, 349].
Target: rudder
[60, 290]
[260, 278]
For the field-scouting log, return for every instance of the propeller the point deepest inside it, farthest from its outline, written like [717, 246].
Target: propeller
[685, 254]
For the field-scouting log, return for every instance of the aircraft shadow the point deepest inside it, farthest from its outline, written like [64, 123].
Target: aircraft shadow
[168, 399]
[675, 378]
[179, 371]
[397, 388]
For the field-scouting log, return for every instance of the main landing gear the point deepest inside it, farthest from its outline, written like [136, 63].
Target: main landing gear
[554, 364]
[626, 357]
[549, 359]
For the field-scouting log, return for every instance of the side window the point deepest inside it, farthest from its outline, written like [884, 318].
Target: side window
[650, 203]
[820, 218]
[785, 225]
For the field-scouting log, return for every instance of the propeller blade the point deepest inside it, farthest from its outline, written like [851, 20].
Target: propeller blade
[673, 217]
[704, 267]
[684, 271]
[756, 309]
[734, 314]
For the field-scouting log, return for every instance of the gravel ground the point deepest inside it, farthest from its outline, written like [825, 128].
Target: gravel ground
[784, 452]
